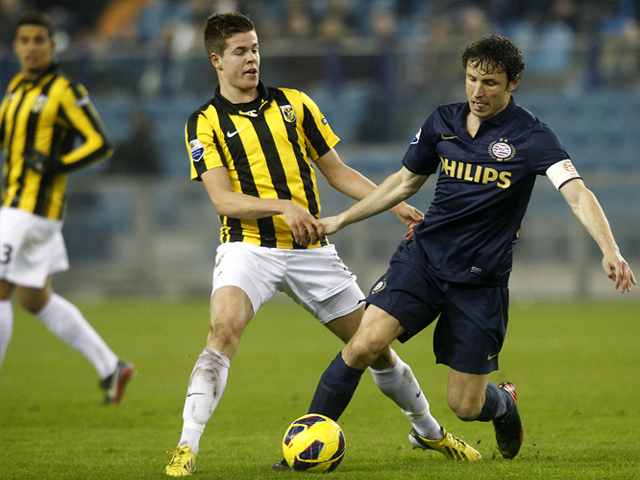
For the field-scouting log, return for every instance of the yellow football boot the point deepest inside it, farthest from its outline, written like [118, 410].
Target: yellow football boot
[450, 446]
[182, 463]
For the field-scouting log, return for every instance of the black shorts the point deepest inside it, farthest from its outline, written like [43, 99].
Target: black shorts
[472, 319]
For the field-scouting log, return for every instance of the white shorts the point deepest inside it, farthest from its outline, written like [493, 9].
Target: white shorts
[315, 278]
[31, 248]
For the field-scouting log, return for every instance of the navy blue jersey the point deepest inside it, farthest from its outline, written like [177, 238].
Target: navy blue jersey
[482, 192]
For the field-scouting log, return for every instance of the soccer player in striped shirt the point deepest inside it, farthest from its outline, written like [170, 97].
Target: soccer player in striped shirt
[41, 116]
[256, 149]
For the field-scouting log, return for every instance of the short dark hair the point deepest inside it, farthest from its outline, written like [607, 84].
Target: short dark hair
[495, 54]
[221, 26]
[35, 18]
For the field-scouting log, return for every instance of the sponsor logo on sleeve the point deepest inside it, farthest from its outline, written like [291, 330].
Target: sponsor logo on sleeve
[416, 138]
[197, 150]
[82, 102]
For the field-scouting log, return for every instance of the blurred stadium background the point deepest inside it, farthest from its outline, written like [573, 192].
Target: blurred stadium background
[137, 225]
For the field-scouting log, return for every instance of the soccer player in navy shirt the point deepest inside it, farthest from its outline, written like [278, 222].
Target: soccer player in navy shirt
[456, 268]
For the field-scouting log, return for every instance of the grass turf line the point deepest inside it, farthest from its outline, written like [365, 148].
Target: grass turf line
[574, 365]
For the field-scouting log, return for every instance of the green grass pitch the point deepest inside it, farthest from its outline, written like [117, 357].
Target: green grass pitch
[575, 365]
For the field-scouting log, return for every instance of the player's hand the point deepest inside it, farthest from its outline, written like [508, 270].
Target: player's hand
[408, 215]
[330, 225]
[306, 228]
[41, 163]
[618, 270]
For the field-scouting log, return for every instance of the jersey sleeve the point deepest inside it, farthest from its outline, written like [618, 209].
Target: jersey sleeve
[546, 148]
[319, 136]
[4, 105]
[203, 148]
[3, 108]
[421, 157]
[77, 109]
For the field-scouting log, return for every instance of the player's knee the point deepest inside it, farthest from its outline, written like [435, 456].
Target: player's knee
[361, 351]
[385, 360]
[6, 289]
[224, 337]
[466, 409]
[31, 299]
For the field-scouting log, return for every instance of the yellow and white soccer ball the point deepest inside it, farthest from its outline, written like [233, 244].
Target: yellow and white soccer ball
[313, 443]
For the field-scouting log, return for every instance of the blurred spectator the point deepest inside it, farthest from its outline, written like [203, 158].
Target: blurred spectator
[620, 57]
[380, 123]
[76, 18]
[137, 155]
[10, 12]
[474, 25]
[298, 21]
[118, 23]
[436, 75]
[547, 39]
[337, 19]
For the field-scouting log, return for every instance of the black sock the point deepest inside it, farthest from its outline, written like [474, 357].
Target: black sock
[497, 403]
[335, 389]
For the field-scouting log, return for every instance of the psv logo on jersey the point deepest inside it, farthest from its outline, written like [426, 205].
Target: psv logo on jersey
[288, 113]
[501, 150]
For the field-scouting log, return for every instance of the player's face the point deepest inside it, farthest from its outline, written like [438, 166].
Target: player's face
[34, 48]
[239, 65]
[487, 93]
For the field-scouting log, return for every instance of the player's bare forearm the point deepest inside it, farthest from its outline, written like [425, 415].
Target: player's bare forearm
[586, 207]
[304, 226]
[394, 190]
[355, 185]
[344, 178]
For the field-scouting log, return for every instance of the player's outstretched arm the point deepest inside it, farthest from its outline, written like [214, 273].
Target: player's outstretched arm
[396, 188]
[355, 185]
[586, 207]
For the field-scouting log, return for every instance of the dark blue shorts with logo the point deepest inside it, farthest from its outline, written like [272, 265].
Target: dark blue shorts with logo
[472, 319]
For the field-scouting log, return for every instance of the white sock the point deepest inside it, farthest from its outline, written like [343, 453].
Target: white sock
[66, 321]
[6, 327]
[400, 385]
[206, 386]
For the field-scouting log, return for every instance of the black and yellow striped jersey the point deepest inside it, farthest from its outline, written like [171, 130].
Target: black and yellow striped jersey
[268, 148]
[47, 115]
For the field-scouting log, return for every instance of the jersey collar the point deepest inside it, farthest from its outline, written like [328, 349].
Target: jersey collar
[251, 109]
[502, 117]
[53, 68]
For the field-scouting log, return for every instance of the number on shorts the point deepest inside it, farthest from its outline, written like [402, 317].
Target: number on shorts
[6, 253]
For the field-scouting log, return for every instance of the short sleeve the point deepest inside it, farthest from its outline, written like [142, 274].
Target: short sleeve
[319, 135]
[202, 146]
[546, 148]
[421, 157]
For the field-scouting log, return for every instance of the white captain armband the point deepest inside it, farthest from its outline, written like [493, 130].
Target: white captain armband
[561, 172]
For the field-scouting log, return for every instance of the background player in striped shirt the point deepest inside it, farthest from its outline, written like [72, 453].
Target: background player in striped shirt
[256, 149]
[456, 268]
[41, 116]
